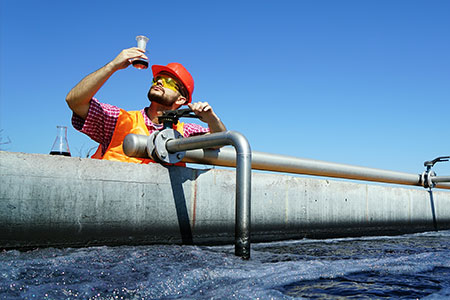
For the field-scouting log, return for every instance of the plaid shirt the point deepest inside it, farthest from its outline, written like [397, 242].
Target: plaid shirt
[101, 122]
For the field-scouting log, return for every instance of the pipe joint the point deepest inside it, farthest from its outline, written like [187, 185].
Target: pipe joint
[426, 179]
[157, 148]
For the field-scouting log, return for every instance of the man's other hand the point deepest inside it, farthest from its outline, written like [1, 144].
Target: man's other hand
[205, 113]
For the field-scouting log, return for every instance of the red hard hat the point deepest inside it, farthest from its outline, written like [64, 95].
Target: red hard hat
[180, 73]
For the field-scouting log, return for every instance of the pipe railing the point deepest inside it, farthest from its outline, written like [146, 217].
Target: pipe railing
[245, 160]
[437, 179]
[289, 164]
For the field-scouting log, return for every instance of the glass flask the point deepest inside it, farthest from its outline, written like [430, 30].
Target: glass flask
[60, 146]
[141, 63]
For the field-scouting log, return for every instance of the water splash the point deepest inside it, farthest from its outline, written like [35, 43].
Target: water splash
[409, 266]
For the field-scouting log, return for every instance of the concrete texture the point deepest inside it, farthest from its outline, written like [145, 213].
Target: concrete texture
[61, 201]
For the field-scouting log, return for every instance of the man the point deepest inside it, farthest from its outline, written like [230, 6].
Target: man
[108, 125]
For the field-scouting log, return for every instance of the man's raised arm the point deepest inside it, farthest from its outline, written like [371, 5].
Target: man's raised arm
[80, 96]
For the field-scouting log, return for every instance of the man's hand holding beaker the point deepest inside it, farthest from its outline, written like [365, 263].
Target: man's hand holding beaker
[123, 60]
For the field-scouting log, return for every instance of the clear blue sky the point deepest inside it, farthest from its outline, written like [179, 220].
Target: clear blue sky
[357, 82]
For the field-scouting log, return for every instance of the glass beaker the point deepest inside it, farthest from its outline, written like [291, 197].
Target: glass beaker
[141, 63]
[60, 146]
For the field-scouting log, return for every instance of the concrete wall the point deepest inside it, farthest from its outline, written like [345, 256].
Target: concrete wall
[60, 201]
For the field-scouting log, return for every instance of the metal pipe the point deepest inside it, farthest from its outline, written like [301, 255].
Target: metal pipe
[243, 161]
[436, 179]
[290, 164]
[136, 146]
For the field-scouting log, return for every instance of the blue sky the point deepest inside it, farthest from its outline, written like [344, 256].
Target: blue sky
[357, 82]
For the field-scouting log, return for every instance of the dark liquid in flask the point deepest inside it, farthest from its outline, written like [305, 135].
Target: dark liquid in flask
[60, 153]
[140, 64]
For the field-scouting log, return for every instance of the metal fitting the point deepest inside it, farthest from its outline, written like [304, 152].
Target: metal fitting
[426, 179]
[427, 176]
[151, 145]
[157, 148]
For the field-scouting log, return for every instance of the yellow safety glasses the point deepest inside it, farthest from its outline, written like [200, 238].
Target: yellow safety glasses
[167, 82]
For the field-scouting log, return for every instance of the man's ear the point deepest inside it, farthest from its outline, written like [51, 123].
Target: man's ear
[181, 100]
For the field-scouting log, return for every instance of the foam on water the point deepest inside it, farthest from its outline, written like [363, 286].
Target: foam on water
[409, 266]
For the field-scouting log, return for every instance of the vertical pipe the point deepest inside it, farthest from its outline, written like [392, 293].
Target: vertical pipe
[243, 213]
[243, 178]
[243, 196]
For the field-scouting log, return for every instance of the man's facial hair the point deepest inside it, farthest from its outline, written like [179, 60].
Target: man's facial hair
[159, 98]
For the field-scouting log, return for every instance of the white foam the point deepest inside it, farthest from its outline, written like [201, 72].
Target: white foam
[192, 272]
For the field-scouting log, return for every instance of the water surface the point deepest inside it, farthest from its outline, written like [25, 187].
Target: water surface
[404, 267]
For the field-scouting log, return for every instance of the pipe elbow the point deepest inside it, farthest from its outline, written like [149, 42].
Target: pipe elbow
[239, 141]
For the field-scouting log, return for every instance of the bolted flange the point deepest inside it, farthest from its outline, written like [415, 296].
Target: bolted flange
[426, 179]
[158, 150]
[426, 176]
[151, 145]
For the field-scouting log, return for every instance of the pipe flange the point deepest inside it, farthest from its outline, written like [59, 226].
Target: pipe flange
[151, 145]
[426, 179]
[430, 182]
[160, 150]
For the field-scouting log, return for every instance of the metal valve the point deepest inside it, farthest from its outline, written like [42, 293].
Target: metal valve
[154, 145]
[430, 163]
[171, 117]
[427, 175]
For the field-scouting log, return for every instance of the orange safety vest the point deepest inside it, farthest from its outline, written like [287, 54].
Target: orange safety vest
[128, 122]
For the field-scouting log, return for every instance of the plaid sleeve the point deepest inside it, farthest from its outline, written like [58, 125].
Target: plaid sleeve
[100, 122]
[191, 129]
